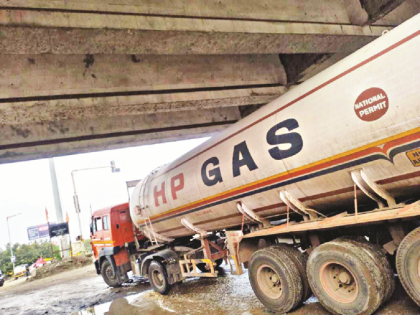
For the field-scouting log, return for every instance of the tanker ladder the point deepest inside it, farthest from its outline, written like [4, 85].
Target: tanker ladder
[189, 266]
[155, 239]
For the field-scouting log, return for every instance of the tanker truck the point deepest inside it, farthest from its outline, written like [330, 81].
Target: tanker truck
[315, 193]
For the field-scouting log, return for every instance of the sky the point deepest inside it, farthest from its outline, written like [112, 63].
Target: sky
[26, 189]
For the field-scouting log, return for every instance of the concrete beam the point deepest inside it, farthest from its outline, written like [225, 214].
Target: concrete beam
[46, 111]
[40, 32]
[326, 11]
[42, 140]
[26, 76]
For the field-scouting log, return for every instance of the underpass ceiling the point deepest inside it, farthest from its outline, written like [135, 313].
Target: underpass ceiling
[79, 76]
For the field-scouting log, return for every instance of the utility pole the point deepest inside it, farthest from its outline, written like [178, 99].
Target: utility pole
[56, 192]
[64, 242]
[114, 169]
[10, 241]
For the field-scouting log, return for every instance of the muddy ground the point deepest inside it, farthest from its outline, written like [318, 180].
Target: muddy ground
[81, 291]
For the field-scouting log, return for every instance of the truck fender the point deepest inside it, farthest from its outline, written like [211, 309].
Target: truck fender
[107, 253]
[168, 257]
[117, 271]
[248, 246]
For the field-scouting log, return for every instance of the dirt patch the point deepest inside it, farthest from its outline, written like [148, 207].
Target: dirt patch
[63, 293]
[61, 266]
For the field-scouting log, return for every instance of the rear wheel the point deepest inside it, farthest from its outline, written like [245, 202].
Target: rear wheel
[300, 260]
[345, 278]
[275, 279]
[408, 264]
[380, 259]
[158, 278]
[108, 274]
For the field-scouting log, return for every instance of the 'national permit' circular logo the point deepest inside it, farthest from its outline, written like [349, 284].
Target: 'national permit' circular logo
[372, 104]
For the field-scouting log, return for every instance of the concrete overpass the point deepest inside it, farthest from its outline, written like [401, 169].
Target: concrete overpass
[87, 75]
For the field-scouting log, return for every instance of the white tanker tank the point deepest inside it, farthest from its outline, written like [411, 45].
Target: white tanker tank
[360, 114]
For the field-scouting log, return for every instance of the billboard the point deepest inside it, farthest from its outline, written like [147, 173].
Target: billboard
[37, 232]
[59, 229]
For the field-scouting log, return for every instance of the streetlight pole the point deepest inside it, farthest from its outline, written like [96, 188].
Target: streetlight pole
[76, 198]
[10, 241]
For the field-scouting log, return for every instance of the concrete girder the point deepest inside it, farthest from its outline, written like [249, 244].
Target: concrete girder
[326, 11]
[39, 32]
[46, 111]
[25, 76]
[55, 138]
[54, 105]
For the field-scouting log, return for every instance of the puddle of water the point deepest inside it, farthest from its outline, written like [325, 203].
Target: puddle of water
[225, 295]
[130, 305]
[97, 310]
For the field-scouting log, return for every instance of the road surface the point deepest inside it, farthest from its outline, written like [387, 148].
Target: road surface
[82, 289]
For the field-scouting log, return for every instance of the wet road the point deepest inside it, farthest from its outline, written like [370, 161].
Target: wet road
[70, 292]
[227, 294]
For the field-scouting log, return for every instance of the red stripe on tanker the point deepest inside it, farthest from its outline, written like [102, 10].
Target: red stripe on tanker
[359, 113]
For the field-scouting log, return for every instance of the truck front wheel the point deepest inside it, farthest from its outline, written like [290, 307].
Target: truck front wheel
[108, 273]
[159, 278]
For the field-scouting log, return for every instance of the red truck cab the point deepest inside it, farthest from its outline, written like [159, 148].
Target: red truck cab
[112, 239]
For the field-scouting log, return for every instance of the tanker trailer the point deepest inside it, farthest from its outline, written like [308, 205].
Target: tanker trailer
[323, 183]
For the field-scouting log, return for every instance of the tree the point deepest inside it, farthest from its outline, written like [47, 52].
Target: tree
[26, 254]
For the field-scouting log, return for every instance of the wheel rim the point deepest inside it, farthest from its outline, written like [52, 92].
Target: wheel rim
[418, 267]
[110, 273]
[269, 282]
[157, 278]
[339, 282]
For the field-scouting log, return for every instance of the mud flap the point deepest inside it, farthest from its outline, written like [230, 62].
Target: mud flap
[97, 267]
[246, 248]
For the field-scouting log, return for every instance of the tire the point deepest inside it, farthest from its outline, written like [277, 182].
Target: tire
[275, 279]
[300, 260]
[158, 278]
[109, 275]
[381, 260]
[408, 263]
[346, 278]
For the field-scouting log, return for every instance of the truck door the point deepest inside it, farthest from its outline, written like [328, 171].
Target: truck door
[126, 228]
